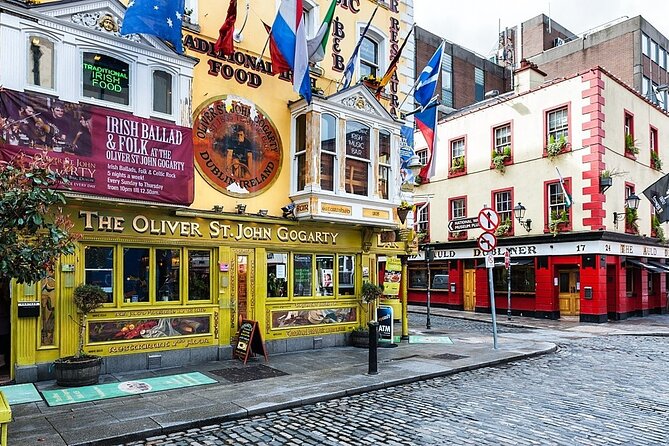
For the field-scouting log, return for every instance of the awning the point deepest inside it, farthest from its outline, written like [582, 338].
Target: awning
[649, 267]
[662, 266]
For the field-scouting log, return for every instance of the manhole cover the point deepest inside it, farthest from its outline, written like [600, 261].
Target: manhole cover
[248, 373]
[450, 356]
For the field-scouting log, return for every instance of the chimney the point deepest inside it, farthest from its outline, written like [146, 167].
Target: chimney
[528, 76]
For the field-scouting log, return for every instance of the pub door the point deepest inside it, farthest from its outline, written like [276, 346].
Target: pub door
[469, 303]
[570, 294]
[242, 281]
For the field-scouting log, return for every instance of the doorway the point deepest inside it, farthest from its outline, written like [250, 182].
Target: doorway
[470, 290]
[242, 286]
[569, 292]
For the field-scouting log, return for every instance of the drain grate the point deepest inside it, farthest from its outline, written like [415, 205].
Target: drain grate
[248, 373]
[450, 356]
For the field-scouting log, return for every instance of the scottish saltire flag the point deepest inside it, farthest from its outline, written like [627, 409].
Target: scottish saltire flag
[567, 198]
[426, 121]
[225, 43]
[290, 38]
[350, 66]
[427, 81]
[316, 45]
[160, 18]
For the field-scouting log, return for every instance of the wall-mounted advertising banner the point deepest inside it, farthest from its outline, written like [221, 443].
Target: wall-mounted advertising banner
[114, 154]
[392, 276]
[237, 147]
[658, 195]
[406, 153]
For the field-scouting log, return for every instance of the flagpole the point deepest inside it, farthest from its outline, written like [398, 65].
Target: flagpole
[357, 45]
[238, 35]
[416, 83]
[262, 53]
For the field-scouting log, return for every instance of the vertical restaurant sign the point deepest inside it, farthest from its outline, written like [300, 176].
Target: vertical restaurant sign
[113, 154]
[237, 147]
[392, 276]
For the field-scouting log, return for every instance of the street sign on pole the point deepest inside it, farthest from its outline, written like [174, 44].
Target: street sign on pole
[462, 224]
[507, 259]
[488, 219]
[487, 241]
[489, 261]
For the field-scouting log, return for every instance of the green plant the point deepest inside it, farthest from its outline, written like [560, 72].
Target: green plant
[557, 219]
[87, 298]
[422, 235]
[630, 144]
[655, 161]
[632, 220]
[404, 205]
[657, 230]
[458, 164]
[554, 147]
[370, 292]
[503, 228]
[499, 158]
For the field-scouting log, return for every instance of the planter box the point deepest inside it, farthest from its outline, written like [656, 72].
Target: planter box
[72, 372]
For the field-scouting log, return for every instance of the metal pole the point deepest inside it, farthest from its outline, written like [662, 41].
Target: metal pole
[429, 285]
[508, 292]
[373, 368]
[492, 309]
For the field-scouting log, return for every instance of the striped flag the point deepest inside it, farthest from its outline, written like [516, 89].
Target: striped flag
[426, 121]
[350, 66]
[567, 198]
[316, 45]
[428, 78]
[393, 65]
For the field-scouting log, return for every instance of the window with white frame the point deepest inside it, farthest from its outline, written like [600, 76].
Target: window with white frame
[162, 92]
[645, 44]
[309, 17]
[503, 206]
[301, 151]
[557, 124]
[369, 57]
[653, 51]
[105, 78]
[190, 10]
[328, 151]
[422, 156]
[458, 208]
[357, 158]
[645, 88]
[458, 154]
[384, 164]
[502, 138]
[40, 62]
[557, 202]
[422, 213]
[447, 80]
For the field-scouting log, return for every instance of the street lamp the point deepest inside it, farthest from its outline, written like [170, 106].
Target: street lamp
[414, 165]
[631, 202]
[519, 213]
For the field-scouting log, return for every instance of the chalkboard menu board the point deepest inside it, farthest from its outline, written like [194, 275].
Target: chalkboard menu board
[249, 340]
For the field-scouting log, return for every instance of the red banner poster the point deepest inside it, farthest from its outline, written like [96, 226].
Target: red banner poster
[114, 154]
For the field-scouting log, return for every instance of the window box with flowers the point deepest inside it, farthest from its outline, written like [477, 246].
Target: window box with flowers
[371, 81]
[631, 149]
[457, 235]
[656, 230]
[457, 166]
[501, 159]
[631, 221]
[655, 161]
[504, 229]
[422, 236]
[559, 221]
[555, 147]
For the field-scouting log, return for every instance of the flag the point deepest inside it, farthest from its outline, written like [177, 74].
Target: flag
[393, 66]
[316, 45]
[658, 195]
[160, 18]
[225, 44]
[567, 198]
[279, 65]
[290, 38]
[350, 66]
[426, 121]
[428, 78]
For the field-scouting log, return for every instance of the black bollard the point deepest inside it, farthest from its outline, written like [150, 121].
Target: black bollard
[373, 345]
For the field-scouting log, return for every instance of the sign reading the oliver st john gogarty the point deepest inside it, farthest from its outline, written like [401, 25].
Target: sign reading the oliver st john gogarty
[249, 340]
[237, 148]
[106, 152]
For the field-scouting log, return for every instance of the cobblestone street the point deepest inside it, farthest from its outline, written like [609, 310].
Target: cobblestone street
[593, 391]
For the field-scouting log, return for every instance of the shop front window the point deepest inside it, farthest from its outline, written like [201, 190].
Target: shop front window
[522, 279]
[135, 275]
[168, 267]
[439, 278]
[277, 274]
[325, 275]
[418, 278]
[199, 275]
[302, 274]
[346, 275]
[99, 268]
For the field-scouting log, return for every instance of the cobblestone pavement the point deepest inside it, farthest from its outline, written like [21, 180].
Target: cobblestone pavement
[594, 391]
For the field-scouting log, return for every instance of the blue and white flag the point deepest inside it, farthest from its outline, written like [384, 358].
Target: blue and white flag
[427, 81]
[350, 66]
[160, 18]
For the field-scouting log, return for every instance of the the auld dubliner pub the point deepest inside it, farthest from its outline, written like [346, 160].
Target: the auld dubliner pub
[205, 191]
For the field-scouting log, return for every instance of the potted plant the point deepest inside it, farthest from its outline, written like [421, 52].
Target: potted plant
[499, 159]
[655, 161]
[555, 147]
[504, 228]
[457, 165]
[368, 295]
[558, 218]
[403, 209]
[631, 220]
[81, 369]
[630, 144]
[605, 180]
[371, 81]
[656, 230]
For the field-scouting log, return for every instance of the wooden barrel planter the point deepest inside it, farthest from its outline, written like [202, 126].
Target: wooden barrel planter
[76, 372]
[359, 338]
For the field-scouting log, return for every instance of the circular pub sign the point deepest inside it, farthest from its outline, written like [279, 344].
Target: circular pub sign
[237, 148]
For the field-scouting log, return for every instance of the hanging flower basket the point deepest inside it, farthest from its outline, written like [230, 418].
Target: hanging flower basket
[403, 210]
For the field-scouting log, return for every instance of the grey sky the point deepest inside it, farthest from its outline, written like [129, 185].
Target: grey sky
[474, 24]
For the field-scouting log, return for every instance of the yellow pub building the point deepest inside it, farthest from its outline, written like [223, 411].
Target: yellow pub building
[205, 190]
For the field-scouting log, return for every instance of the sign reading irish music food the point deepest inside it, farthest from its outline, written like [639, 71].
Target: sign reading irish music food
[112, 153]
[237, 148]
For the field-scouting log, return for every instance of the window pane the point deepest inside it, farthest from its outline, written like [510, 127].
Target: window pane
[384, 174]
[418, 278]
[458, 149]
[136, 274]
[502, 138]
[325, 277]
[301, 133]
[479, 81]
[458, 208]
[503, 206]
[357, 140]
[357, 177]
[557, 124]
[99, 268]
[199, 275]
[327, 171]
[522, 279]
[346, 275]
[302, 274]
[40, 62]
[369, 51]
[328, 133]
[301, 171]
[439, 279]
[162, 92]
[106, 78]
[168, 268]
[277, 270]
[384, 147]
